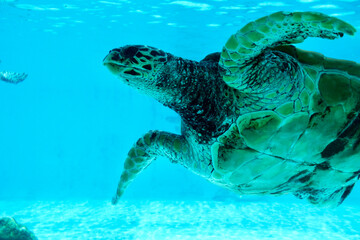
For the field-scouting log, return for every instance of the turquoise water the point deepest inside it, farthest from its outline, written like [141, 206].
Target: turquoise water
[65, 130]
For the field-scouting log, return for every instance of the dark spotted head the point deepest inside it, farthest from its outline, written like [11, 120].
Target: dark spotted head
[136, 64]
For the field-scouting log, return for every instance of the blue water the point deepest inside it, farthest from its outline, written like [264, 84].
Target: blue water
[65, 130]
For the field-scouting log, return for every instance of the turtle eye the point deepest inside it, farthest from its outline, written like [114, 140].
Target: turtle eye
[157, 53]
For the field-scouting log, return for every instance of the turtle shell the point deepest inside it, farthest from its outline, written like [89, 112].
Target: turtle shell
[308, 146]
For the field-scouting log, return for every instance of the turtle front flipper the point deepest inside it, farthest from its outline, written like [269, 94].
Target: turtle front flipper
[152, 145]
[241, 51]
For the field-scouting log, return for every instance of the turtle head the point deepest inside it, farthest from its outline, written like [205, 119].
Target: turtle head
[137, 65]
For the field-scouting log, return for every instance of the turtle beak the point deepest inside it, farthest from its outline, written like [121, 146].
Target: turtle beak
[112, 58]
[111, 63]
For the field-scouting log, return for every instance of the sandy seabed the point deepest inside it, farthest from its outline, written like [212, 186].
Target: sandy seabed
[183, 220]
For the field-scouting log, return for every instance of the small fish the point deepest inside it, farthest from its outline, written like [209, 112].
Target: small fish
[12, 77]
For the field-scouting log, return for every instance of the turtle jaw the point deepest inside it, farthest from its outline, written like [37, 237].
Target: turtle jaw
[113, 64]
[113, 67]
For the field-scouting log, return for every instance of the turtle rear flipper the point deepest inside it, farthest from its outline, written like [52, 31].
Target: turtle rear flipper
[240, 53]
[326, 197]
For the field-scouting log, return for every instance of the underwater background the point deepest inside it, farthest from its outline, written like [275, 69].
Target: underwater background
[66, 130]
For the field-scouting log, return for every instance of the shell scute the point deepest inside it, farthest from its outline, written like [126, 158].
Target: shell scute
[274, 177]
[322, 129]
[334, 88]
[252, 169]
[257, 128]
[350, 67]
[288, 133]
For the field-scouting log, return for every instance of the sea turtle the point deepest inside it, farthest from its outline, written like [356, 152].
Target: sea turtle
[261, 117]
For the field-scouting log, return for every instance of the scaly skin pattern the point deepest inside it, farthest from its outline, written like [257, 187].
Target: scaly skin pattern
[258, 118]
